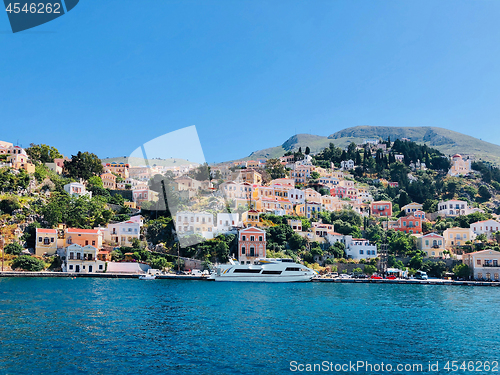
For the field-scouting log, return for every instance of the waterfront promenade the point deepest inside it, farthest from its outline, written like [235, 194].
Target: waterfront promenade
[204, 278]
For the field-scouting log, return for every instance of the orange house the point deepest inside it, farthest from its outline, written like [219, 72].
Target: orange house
[381, 208]
[409, 224]
[84, 237]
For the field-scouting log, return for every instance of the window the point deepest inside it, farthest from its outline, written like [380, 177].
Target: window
[260, 238]
[252, 238]
[360, 251]
[52, 239]
[243, 238]
[252, 251]
[93, 243]
[71, 267]
[86, 242]
[100, 267]
[478, 262]
[78, 255]
[71, 255]
[39, 239]
[243, 250]
[46, 241]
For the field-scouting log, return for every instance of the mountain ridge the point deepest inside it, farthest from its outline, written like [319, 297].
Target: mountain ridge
[447, 141]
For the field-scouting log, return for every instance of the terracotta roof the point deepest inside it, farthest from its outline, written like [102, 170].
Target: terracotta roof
[77, 230]
[48, 231]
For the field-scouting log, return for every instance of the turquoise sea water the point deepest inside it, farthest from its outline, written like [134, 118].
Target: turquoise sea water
[122, 326]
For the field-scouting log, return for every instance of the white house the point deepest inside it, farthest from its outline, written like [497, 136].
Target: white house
[484, 264]
[459, 166]
[359, 248]
[76, 188]
[227, 221]
[410, 208]
[347, 165]
[122, 234]
[82, 259]
[453, 207]
[201, 223]
[487, 227]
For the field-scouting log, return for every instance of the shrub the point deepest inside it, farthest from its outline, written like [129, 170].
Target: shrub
[27, 263]
[370, 269]
[13, 248]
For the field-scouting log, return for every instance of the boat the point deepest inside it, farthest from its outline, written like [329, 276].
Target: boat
[147, 277]
[279, 270]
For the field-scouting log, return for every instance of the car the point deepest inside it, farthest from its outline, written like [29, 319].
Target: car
[421, 275]
[376, 277]
[345, 276]
[391, 277]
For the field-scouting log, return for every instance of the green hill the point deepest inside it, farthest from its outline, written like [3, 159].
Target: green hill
[447, 141]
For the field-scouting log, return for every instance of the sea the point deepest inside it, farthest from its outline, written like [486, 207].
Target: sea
[130, 326]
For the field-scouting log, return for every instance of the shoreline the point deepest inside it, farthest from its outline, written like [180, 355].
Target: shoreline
[204, 278]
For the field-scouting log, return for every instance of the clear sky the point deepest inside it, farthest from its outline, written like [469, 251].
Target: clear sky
[111, 75]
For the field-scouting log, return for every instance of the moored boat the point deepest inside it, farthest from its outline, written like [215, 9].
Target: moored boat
[263, 270]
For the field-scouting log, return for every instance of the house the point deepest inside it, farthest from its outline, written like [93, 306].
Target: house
[487, 227]
[227, 221]
[484, 264]
[432, 244]
[459, 166]
[410, 208]
[454, 237]
[347, 165]
[381, 208]
[187, 183]
[84, 237]
[145, 194]
[78, 189]
[322, 230]
[54, 168]
[409, 224]
[122, 234]
[108, 180]
[359, 248]
[251, 218]
[453, 208]
[309, 209]
[251, 245]
[201, 223]
[83, 259]
[300, 173]
[120, 169]
[399, 158]
[420, 214]
[295, 224]
[46, 241]
[247, 175]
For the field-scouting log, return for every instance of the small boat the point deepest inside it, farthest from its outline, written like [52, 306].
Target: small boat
[147, 277]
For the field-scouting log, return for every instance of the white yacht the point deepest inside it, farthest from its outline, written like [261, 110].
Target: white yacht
[263, 270]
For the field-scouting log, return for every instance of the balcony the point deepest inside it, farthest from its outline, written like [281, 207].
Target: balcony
[490, 265]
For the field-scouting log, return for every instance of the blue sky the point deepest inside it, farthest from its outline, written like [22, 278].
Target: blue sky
[111, 75]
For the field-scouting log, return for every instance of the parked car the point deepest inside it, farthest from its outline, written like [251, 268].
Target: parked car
[391, 277]
[421, 275]
[345, 276]
[376, 277]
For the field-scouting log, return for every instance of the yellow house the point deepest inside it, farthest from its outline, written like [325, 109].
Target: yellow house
[432, 244]
[109, 180]
[251, 219]
[46, 241]
[454, 237]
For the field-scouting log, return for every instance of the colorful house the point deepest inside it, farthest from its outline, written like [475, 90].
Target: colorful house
[251, 245]
[381, 208]
[484, 264]
[432, 244]
[46, 241]
[409, 224]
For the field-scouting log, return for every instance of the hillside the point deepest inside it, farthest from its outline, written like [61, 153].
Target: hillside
[447, 141]
[152, 162]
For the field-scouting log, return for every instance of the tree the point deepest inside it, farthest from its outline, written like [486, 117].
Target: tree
[462, 271]
[42, 153]
[28, 263]
[83, 165]
[484, 192]
[13, 248]
[95, 181]
[369, 269]
[308, 150]
[275, 168]
[315, 175]
[160, 263]
[9, 204]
